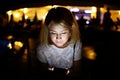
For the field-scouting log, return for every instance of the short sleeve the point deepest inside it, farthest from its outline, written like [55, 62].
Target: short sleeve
[40, 54]
[78, 51]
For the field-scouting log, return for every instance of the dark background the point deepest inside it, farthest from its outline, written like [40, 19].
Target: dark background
[6, 5]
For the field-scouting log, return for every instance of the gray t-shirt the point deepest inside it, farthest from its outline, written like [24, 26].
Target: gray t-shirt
[59, 57]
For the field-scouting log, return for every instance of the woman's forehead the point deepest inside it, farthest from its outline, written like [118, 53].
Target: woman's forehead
[57, 27]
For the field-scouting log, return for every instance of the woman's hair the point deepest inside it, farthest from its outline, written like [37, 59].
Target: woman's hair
[63, 17]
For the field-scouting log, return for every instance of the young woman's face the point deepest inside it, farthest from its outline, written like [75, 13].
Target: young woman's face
[59, 35]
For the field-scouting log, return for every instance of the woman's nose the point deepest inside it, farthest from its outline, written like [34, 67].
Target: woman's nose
[58, 36]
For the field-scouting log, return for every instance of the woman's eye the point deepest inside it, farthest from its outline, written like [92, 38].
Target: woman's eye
[52, 32]
[63, 32]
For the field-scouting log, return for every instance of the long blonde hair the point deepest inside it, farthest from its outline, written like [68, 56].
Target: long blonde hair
[61, 16]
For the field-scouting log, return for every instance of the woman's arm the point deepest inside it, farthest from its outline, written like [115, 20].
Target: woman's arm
[42, 66]
[76, 67]
[76, 70]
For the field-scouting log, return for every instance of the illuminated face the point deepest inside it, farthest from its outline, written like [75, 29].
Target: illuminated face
[59, 35]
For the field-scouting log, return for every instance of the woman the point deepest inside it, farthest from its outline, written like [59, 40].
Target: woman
[60, 46]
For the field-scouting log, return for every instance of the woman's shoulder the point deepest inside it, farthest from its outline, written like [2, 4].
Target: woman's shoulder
[78, 42]
[41, 47]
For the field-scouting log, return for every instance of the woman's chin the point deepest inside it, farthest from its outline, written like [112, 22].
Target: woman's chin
[60, 46]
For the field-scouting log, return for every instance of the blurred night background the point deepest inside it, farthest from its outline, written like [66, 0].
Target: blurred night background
[20, 24]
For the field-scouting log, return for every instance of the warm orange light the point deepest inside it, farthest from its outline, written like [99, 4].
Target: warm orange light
[89, 53]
